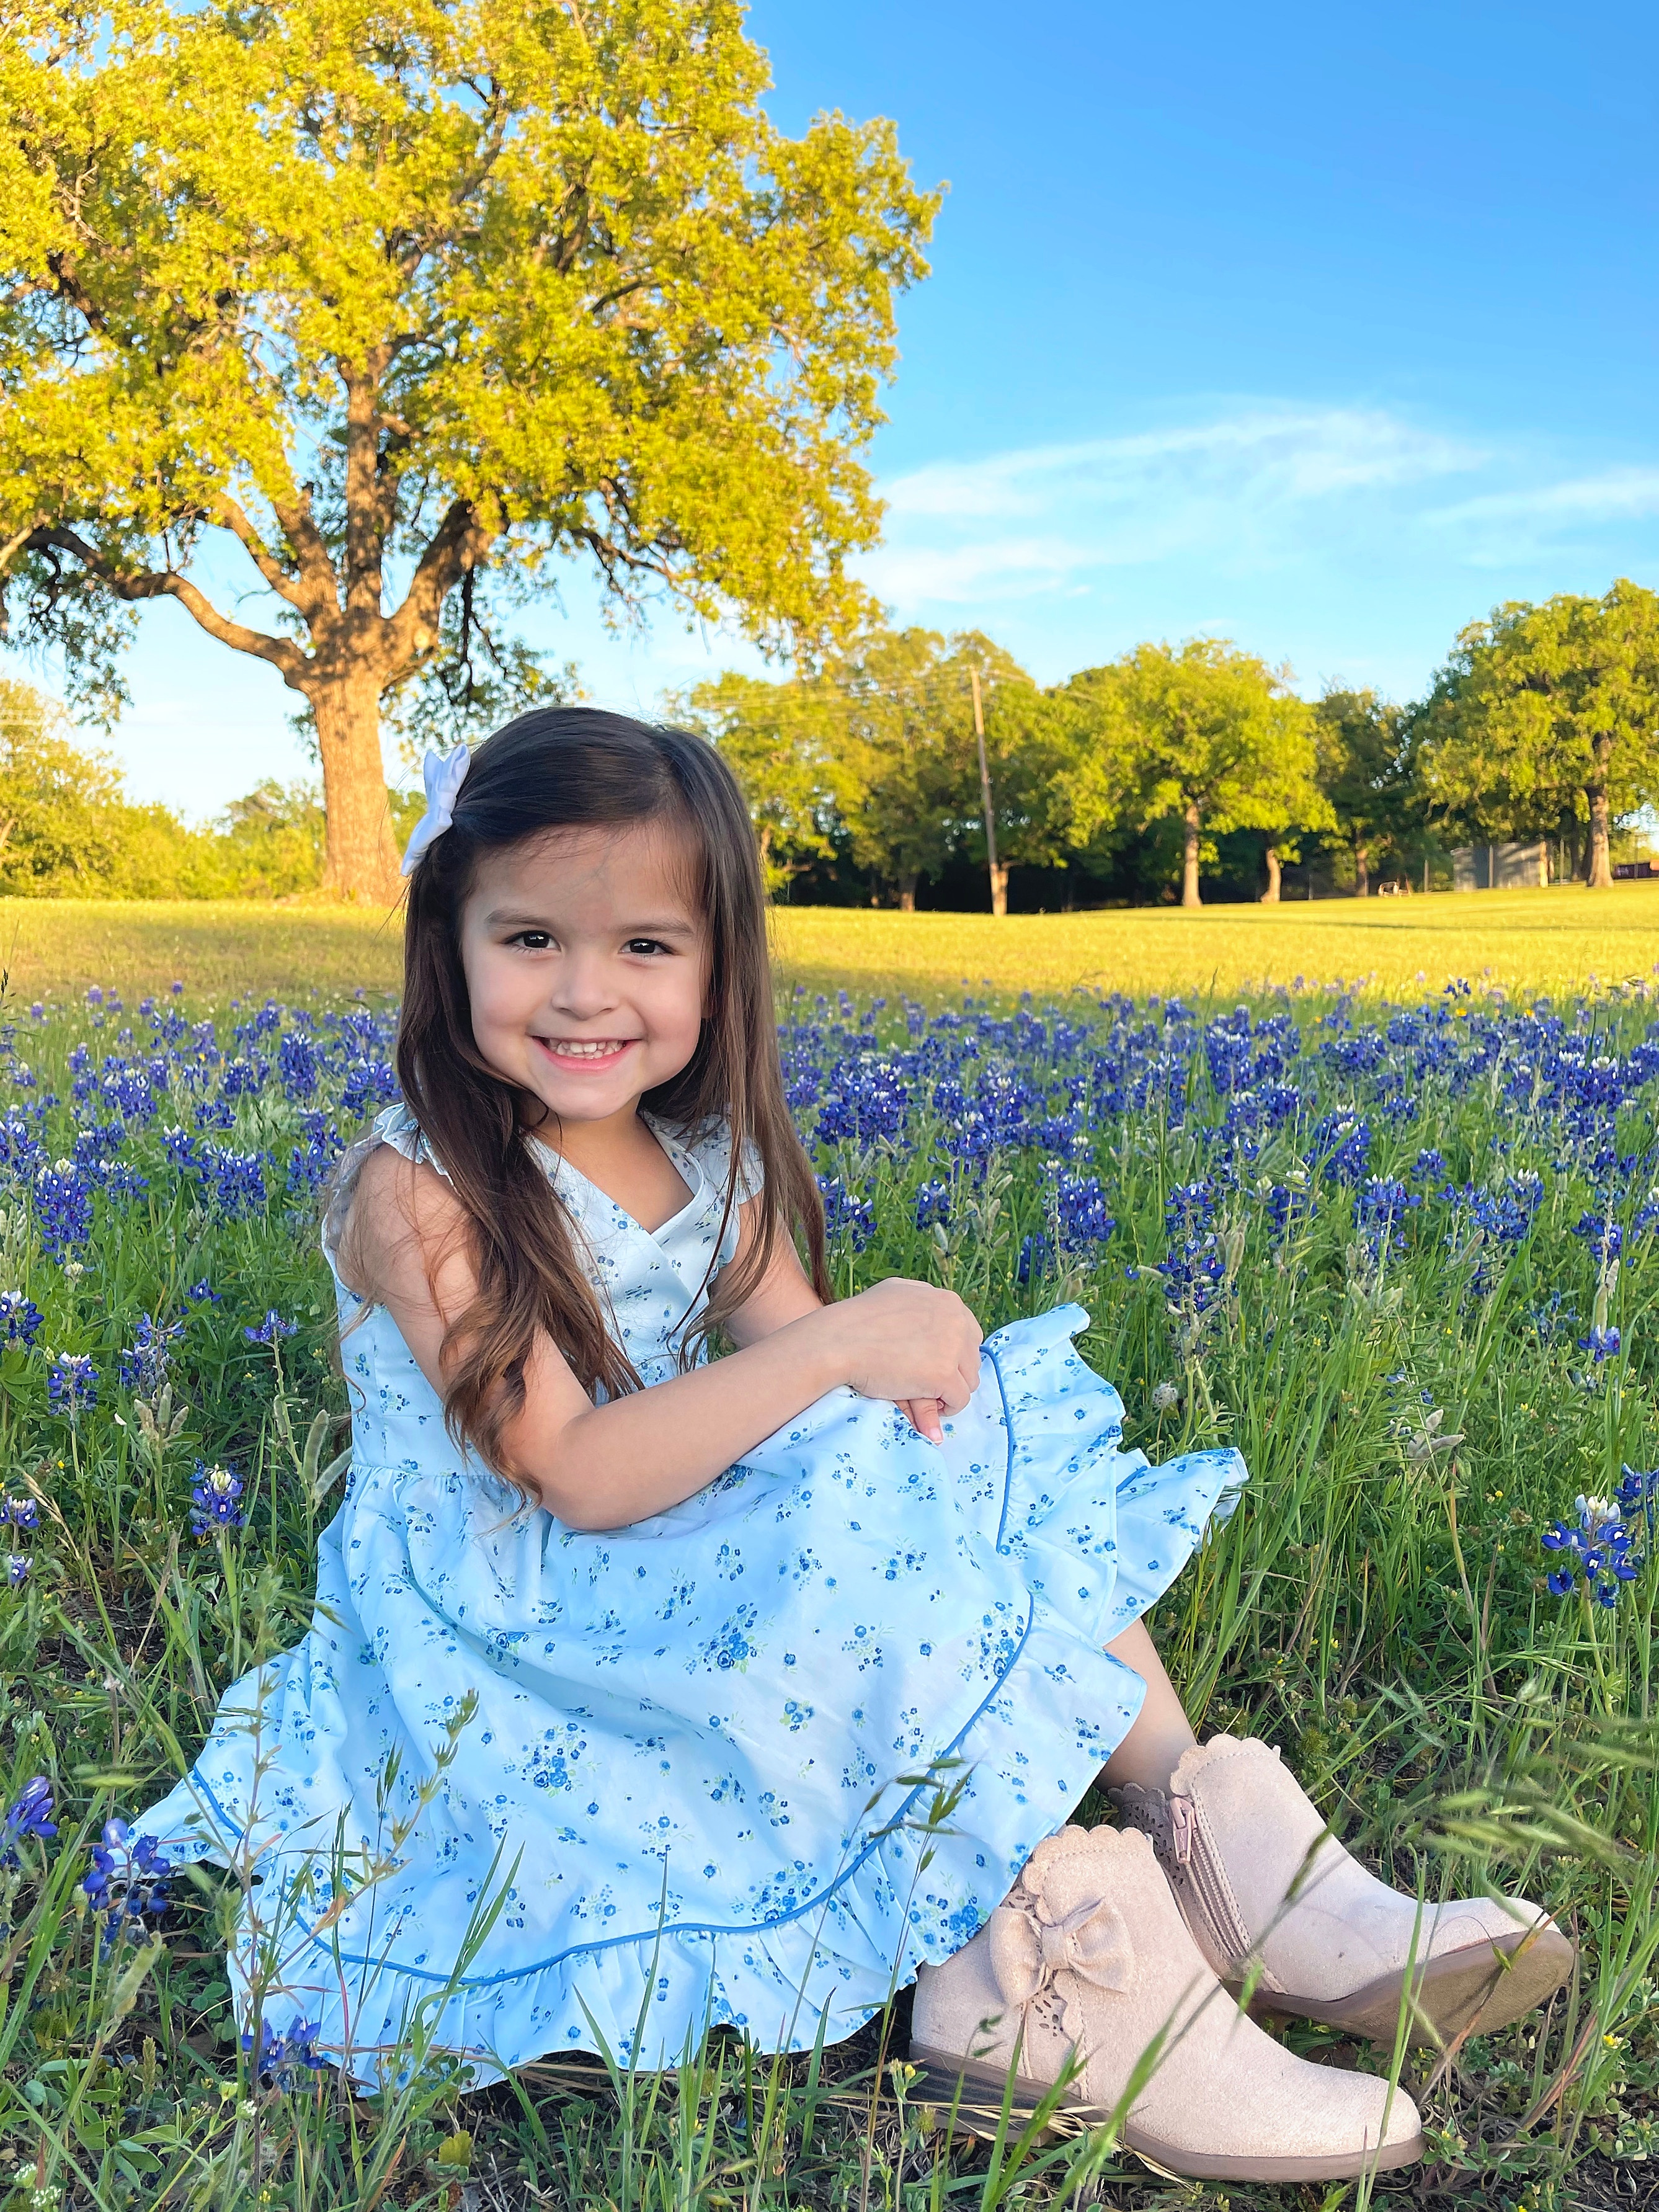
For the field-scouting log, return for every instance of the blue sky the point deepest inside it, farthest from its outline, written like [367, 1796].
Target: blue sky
[1324, 329]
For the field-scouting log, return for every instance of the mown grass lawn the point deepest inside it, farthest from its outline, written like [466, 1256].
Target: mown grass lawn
[1538, 940]
[1404, 1256]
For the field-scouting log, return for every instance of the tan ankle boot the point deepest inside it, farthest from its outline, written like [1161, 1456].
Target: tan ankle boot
[1258, 1878]
[1090, 1954]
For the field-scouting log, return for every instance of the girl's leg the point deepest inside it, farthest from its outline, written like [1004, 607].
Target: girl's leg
[1149, 1755]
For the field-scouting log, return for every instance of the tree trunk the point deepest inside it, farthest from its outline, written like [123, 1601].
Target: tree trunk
[1270, 896]
[999, 888]
[1599, 874]
[1189, 857]
[908, 894]
[1362, 870]
[361, 856]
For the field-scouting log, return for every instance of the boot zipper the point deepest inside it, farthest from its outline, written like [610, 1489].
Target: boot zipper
[1228, 1939]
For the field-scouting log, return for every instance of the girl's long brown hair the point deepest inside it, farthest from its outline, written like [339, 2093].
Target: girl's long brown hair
[574, 768]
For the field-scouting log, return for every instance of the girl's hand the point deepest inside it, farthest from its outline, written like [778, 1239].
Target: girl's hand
[911, 1342]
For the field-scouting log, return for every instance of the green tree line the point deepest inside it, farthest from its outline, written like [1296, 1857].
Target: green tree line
[1544, 722]
[69, 829]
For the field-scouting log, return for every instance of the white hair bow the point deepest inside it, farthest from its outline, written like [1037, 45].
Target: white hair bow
[445, 774]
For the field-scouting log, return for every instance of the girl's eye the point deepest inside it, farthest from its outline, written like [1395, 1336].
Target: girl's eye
[533, 940]
[646, 945]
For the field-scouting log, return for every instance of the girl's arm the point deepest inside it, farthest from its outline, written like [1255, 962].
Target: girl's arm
[604, 1467]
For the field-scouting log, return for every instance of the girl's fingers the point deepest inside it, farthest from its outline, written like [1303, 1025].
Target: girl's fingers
[924, 1417]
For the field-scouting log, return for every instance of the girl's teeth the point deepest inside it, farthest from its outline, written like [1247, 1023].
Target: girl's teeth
[596, 1051]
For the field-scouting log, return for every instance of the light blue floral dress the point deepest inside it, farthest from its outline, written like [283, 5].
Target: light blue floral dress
[680, 1773]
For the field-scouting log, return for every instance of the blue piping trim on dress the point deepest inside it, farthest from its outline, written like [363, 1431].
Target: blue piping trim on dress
[691, 1928]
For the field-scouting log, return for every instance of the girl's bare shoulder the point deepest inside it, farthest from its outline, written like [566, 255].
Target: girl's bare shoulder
[401, 1212]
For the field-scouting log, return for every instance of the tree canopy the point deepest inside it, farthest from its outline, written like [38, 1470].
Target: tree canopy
[879, 744]
[403, 300]
[1543, 711]
[1362, 745]
[1202, 731]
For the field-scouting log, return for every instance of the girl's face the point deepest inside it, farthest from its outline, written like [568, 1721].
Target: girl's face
[588, 964]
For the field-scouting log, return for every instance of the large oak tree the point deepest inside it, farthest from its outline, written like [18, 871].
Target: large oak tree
[405, 299]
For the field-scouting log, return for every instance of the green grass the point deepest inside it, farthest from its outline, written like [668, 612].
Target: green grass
[1376, 1607]
[1552, 940]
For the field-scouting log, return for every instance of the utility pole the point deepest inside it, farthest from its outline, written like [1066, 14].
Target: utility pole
[999, 876]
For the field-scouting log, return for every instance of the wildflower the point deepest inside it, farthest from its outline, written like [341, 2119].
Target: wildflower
[63, 1207]
[127, 1880]
[1035, 1258]
[278, 2055]
[145, 1364]
[213, 1495]
[933, 1203]
[846, 1215]
[17, 1569]
[1379, 1208]
[204, 1290]
[1165, 1397]
[1601, 1343]
[1598, 1549]
[71, 1383]
[29, 1815]
[22, 1512]
[1081, 1211]
[1608, 1237]
[20, 1318]
[272, 1326]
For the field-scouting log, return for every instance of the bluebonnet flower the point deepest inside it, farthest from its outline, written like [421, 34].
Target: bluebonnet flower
[272, 1326]
[20, 1318]
[1341, 1147]
[214, 1496]
[279, 2055]
[1380, 1209]
[1601, 1343]
[17, 1569]
[933, 1203]
[145, 1364]
[298, 1067]
[71, 1383]
[1035, 1258]
[237, 1180]
[1080, 1207]
[127, 1880]
[1598, 1547]
[1429, 1166]
[202, 1291]
[846, 1215]
[1607, 1237]
[21, 1512]
[29, 1815]
[63, 1208]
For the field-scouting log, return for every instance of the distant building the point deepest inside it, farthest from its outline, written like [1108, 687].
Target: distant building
[1509, 867]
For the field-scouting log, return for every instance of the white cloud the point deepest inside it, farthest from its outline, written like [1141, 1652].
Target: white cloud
[1614, 495]
[1240, 487]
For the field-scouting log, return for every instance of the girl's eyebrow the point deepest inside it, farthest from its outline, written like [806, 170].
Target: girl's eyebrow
[505, 917]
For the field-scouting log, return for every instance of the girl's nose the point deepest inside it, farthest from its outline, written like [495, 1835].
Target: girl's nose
[583, 986]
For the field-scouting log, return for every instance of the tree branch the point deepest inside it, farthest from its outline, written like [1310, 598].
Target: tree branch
[458, 545]
[156, 583]
[230, 514]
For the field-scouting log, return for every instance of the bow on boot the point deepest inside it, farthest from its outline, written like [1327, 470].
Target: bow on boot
[1041, 1954]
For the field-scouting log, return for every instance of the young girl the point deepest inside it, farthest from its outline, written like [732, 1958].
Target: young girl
[634, 1675]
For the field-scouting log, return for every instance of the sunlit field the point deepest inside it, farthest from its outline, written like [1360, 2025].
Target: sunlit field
[1548, 940]
[1403, 1255]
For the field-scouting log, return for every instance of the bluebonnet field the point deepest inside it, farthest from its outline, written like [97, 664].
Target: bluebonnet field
[1403, 1256]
